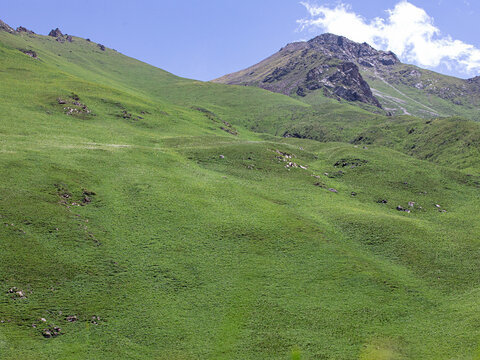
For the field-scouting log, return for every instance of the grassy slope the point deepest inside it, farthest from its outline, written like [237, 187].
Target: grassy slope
[185, 255]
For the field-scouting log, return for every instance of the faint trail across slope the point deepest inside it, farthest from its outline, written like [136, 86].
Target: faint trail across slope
[434, 112]
[393, 99]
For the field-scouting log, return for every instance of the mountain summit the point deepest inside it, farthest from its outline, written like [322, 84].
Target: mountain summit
[342, 48]
[336, 67]
[327, 62]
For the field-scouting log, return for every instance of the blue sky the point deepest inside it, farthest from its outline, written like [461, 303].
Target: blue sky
[204, 39]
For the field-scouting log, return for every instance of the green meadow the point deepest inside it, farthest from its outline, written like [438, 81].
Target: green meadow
[145, 216]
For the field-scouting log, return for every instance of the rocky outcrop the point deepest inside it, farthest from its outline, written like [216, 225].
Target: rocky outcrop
[30, 53]
[22, 29]
[56, 33]
[5, 27]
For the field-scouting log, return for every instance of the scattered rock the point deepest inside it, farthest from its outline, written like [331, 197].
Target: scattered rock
[222, 156]
[411, 204]
[52, 331]
[333, 190]
[283, 155]
[95, 320]
[16, 293]
[353, 193]
[382, 201]
[69, 38]
[71, 318]
[400, 208]
[286, 157]
[102, 47]
[350, 162]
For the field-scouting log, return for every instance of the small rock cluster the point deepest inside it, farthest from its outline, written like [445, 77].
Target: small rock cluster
[95, 320]
[21, 29]
[229, 128]
[439, 207]
[16, 293]
[51, 331]
[74, 106]
[351, 163]
[59, 36]
[129, 116]
[71, 318]
[66, 197]
[286, 157]
[30, 53]
[400, 208]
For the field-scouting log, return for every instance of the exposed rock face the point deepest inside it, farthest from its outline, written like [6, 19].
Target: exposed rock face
[56, 33]
[346, 82]
[5, 27]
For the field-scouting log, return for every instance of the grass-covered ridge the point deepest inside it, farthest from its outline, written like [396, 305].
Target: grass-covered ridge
[159, 225]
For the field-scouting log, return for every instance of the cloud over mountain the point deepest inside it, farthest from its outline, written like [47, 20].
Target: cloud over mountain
[407, 30]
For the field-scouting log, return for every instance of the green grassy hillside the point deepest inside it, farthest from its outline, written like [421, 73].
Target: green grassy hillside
[153, 217]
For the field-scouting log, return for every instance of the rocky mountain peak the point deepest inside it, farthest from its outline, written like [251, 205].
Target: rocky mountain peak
[347, 50]
[6, 27]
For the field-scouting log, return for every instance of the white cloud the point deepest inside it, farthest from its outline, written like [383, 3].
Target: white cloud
[407, 30]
